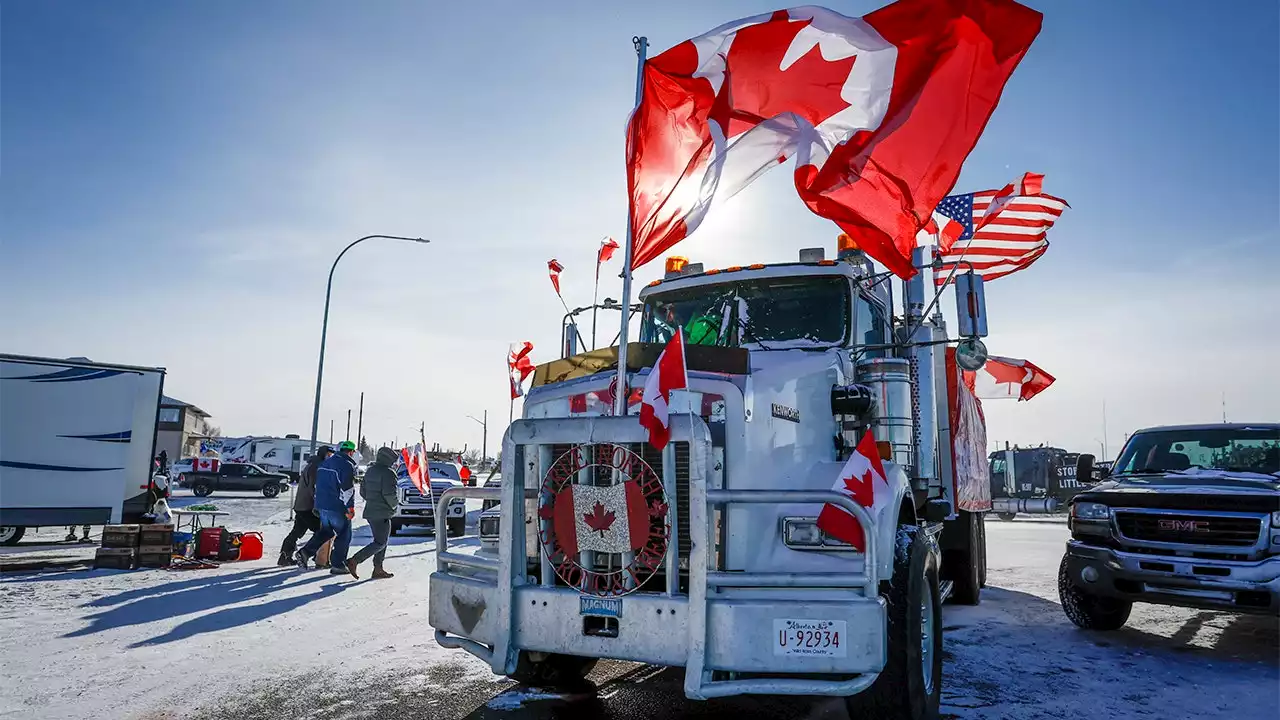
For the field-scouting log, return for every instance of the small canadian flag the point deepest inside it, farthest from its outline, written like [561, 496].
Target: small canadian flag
[668, 374]
[862, 478]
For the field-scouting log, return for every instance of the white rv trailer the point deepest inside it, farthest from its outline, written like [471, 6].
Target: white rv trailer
[77, 439]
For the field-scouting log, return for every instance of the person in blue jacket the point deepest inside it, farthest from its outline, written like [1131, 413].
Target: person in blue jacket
[335, 502]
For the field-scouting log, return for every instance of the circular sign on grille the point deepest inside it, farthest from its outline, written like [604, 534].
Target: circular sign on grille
[604, 498]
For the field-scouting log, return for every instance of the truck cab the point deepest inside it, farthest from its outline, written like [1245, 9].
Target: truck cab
[1188, 515]
[722, 568]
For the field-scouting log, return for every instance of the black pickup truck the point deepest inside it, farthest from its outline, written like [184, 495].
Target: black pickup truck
[236, 476]
[1189, 516]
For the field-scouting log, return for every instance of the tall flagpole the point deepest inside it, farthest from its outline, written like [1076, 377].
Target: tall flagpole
[595, 295]
[620, 398]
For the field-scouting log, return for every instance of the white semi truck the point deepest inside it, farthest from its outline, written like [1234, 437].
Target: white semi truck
[707, 554]
[77, 440]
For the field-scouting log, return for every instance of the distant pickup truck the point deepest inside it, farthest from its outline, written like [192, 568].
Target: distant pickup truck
[236, 476]
[1187, 516]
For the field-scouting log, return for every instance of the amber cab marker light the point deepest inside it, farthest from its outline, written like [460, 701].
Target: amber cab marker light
[757, 266]
[827, 263]
[655, 282]
[733, 268]
[715, 271]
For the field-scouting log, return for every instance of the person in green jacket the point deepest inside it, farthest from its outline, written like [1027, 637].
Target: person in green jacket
[380, 498]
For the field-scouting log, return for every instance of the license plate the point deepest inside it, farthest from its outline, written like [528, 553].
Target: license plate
[599, 607]
[812, 638]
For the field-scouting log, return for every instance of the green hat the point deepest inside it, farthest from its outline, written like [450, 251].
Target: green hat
[347, 445]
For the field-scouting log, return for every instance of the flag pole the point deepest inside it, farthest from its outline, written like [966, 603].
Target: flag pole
[620, 399]
[595, 300]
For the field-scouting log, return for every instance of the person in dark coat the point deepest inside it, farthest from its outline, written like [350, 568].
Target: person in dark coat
[380, 499]
[335, 500]
[304, 518]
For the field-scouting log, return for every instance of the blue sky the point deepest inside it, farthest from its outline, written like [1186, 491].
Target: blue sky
[176, 178]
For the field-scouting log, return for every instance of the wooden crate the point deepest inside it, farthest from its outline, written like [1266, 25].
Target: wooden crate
[155, 535]
[115, 558]
[155, 556]
[121, 536]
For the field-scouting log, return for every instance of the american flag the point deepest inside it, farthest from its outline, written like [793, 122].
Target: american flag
[1012, 238]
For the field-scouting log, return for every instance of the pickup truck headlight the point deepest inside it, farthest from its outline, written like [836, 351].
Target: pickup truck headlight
[1090, 511]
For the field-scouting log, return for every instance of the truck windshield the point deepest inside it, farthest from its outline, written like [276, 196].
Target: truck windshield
[1239, 449]
[787, 311]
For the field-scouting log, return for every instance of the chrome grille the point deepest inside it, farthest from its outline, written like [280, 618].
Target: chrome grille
[1189, 528]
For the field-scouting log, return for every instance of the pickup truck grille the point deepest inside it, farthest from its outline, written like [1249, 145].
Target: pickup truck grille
[413, 497]
[1189, 529]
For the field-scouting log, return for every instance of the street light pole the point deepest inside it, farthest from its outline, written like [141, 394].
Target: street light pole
[324, 327]
[484, 437]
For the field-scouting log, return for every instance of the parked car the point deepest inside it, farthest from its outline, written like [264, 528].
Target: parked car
[1190, 516]
[237, 476]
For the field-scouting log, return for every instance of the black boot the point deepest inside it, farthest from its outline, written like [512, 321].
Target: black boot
[286, 559]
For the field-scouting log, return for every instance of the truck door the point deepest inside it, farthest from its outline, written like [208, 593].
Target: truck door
[232, 477]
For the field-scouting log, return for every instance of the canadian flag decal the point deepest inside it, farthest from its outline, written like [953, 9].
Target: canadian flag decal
[611, 519]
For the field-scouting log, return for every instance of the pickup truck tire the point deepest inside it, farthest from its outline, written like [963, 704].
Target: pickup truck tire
[200, 488]
[456, 526]
[910, 686]
[552, 670]
[963, 552]
[11, 534]
[1090, 612]
[270, 490]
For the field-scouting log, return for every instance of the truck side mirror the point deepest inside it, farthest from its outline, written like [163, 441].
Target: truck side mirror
[1084, 468]
[971, 305]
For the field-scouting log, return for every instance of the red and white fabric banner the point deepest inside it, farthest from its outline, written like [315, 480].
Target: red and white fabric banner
[554, 268]
[1004, 377]
[519, 366]
[862, 478]
[418, 467]
[607, 248]
[611, 519]
[878, 112]
[668, 374]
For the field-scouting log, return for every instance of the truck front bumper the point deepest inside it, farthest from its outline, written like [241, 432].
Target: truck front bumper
[1237, 586]
[424, 515]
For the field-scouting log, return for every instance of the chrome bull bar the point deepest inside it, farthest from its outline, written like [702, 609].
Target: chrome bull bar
[500, 611]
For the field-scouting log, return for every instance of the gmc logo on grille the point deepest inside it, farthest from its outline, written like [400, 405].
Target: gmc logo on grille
[1184, 525]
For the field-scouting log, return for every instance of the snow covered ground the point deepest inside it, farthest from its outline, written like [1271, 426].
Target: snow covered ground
[249, 640]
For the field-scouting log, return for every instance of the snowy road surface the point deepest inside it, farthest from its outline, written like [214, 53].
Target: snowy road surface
[250, 641]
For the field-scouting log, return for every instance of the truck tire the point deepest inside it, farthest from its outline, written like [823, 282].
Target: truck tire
[200, 488]
[1090, 612]
[270, 490]
[552, 670]
[1007, 516]
[982, 532]
[910, 686]
[11, 534]
[962, 564]
[456, 526]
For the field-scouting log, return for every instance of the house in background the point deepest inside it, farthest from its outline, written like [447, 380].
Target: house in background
[181, 428]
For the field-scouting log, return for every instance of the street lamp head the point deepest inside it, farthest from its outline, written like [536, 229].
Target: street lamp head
[424, 241]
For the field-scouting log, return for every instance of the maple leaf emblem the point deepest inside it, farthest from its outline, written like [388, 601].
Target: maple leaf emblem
[598, 519]
[658, 509]
[861, 490]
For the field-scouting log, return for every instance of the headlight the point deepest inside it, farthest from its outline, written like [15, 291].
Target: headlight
[1275, 519]
[1090, 511]
[801, 532]
[489, 526]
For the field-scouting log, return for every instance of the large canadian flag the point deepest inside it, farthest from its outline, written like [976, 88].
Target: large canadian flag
[862, 479]
[878, 112]
[418, 467]
[668, 374]
[1011, 378]
[611, 519]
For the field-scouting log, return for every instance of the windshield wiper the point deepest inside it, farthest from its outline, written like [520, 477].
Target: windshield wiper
[1154, 471]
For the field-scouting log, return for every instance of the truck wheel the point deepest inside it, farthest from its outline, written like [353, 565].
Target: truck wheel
[201, 489]
[1006, 516]
[271, 490]
[1090, 612]
[552, 670]
[11, 534]
[982, 533]
[456, 526]
[963, 564]
[910, 686]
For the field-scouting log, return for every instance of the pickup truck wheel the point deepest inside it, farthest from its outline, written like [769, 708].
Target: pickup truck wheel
[456, 526]
[11, 534]
[201, 489]
[552, 670]
[271, 490]
[1090, 612]
[910, 686]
